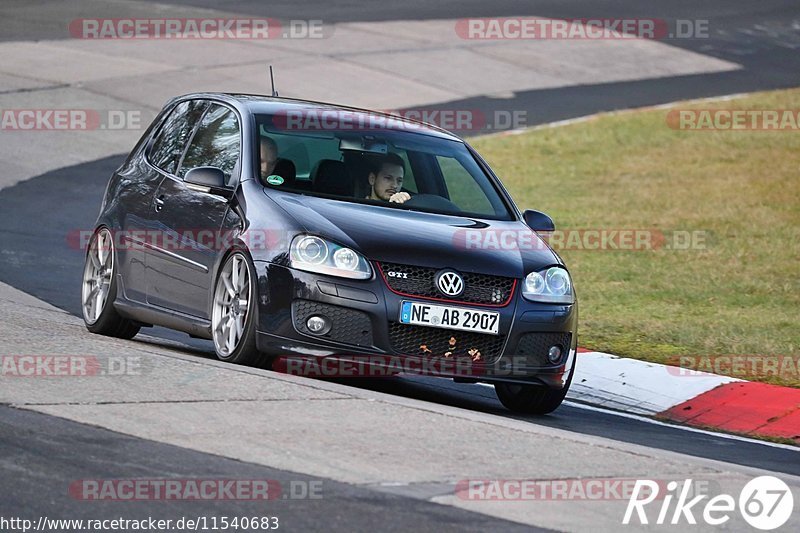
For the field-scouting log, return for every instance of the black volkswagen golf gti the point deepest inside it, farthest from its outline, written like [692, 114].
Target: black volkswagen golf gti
[287, 230]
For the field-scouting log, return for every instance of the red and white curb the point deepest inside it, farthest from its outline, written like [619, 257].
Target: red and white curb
[698, 399]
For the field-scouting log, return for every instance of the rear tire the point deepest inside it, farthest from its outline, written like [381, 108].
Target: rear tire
[234, 312]
[99, 290]
[532, 399]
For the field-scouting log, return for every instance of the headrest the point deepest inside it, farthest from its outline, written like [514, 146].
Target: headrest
[331, 177]
[285, 169]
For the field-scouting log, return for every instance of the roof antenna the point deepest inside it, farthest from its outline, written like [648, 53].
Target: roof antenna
[272, 80]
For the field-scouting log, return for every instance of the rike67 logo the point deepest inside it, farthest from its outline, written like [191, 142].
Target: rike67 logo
[766, 503]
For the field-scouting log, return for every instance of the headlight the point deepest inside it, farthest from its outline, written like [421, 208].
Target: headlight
[552, 286]
[315, 254]
[311, 250]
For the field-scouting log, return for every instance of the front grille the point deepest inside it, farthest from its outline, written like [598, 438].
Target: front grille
[349, 325]
[408, 340]
[421, 281]
[534, 346]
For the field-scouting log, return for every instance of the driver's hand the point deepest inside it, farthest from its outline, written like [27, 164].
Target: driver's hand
[400, 197]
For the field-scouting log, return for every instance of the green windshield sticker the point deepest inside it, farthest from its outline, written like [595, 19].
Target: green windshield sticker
[274, 179]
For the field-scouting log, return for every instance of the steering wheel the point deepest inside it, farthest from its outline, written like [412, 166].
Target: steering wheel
[431, 201]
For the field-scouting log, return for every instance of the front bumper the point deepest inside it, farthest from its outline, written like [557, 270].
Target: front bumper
[366, 328]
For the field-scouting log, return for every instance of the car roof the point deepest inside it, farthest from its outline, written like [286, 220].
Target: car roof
[270, 105]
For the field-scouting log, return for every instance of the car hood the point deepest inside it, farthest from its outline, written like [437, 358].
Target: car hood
[386, 234]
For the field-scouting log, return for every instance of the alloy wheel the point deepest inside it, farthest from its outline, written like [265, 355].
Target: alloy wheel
[97, 276]
[232, 298]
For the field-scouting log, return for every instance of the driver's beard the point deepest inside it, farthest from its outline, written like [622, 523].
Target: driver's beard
[375, 196]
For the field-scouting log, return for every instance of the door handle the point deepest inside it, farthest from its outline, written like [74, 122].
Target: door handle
[159, 203]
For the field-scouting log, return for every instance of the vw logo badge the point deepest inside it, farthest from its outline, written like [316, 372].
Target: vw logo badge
[449, 283]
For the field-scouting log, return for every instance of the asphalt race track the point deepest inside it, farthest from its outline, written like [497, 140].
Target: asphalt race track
[60, 452]
[41, 219]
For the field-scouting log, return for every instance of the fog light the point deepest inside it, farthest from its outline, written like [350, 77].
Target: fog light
[318, 325]
[554, 354]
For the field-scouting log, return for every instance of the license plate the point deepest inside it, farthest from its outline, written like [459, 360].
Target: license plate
[442, 316]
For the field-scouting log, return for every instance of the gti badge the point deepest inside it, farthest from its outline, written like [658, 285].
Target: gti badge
[449, 283]
[399, 275]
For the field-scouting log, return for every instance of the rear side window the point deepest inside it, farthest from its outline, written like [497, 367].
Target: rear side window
[303, 154]
[217, 143]
[170, 142]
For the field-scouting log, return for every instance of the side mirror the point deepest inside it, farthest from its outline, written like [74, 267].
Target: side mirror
[538, 221]
[210, 177]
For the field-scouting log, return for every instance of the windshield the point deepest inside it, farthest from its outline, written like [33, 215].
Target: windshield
[386, 167]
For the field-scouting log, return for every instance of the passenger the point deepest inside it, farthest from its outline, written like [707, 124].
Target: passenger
[386, 180]
[269, 156]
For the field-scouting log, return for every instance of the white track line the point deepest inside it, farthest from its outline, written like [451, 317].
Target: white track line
[684, 428]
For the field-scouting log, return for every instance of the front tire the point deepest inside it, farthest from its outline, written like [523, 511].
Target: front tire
[99, 289]
[234, 311]
[532, 399]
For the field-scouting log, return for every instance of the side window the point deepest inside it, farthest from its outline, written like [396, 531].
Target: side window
[171, 139]
[464, 191]
[303, 151]
[217, 143]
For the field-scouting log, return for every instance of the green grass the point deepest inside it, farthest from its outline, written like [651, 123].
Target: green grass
[738, 296]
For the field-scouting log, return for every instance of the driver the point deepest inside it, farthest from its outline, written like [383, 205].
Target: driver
[386, 180]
